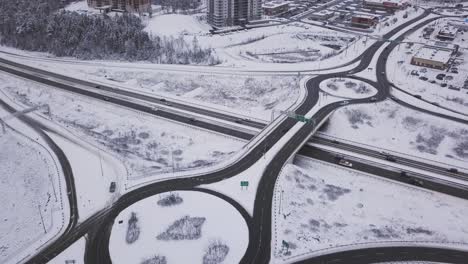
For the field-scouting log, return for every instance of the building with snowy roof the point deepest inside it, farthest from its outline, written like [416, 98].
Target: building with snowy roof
[275, 8]
[431, 57]
[386, 4]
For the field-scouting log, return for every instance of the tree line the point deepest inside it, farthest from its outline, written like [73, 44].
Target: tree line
[41, 25]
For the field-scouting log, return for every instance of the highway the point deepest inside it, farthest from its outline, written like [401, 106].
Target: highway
[98, 226]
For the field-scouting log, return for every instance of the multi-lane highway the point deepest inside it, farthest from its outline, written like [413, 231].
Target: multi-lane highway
[259, 249]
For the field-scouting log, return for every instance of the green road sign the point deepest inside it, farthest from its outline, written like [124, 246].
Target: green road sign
[244, 183]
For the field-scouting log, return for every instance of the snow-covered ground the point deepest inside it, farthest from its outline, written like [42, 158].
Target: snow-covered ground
[75, 252]
[173, 25]
[348, 88]
[455, 98]
[179, 230]
[320, 207]
[248, 95]
[34, 206]
[391, 127]
[148, 146]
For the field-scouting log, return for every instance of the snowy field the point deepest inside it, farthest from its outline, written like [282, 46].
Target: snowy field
[148, 146]
[388, 126]
[430, 89]
[173, 25]
[195, 228]
[348, 88]
[318, 207]
[31, 194]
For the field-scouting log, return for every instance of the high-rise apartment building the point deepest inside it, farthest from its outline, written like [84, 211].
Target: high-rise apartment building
[123, 5]
[224, 13]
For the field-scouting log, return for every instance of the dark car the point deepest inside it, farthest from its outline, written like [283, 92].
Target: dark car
[192, 119]
[390, 158]
[432, 81]
[112, 187]
[452, 170]
[162, 100]
[97, 86]
[417, 96]
[440, 76]
[403, 174]
[423, 78]
[443, 85]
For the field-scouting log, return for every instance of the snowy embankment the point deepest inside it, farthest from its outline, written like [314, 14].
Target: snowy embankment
[34, 205]
[347, 88]
[75, 253]
[390, 127]
[206, 228]
[148, 146]
[320, 207]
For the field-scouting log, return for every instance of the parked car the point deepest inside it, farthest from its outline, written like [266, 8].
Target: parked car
[112, 187]
[440, 76]
[443, 85]
[432, 81]
[414, 73]
[423, 78]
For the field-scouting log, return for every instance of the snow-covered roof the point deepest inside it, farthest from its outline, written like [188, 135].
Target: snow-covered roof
[399, 2]
[365, 16]
[448, 30]
[434, 54]
[275, 4]
[325, 12]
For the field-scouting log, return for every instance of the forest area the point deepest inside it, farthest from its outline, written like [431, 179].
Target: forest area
[42, 25]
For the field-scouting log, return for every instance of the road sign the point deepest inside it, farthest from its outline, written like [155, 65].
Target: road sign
[244, 184]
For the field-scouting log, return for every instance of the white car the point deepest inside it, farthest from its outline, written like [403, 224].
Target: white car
[344, 103]
[345, 163]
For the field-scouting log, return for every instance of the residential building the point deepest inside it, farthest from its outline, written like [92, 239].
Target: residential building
[322, 15]
[121, 5]
[431, 57]
[364, 21]
[275, 8]
[225, 13]
[447, 33]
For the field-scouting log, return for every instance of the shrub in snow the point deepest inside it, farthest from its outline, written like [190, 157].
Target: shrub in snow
[184, 228]
[462, 149]
[334, 192]
[170, 200]
[430, 143]
[155, 260]
[216, 253]
[356, 117]
[133, 230]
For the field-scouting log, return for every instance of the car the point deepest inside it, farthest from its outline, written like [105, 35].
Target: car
[414, 73]
[162, 100]
[373, 99]
[112, 187]
[403, 174]
[440, 76]
[432, 81]
[390, 158]
[417, 96]
[334, 141]
[383, 73]
[443, 85]
[344, 103]
[238, 121]
[452, 170]
[97, 86]
[416, 182]
[191, 119]
[423, 78]
[345, 163]
[459, 5]
[434, 103]
[106, 98]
